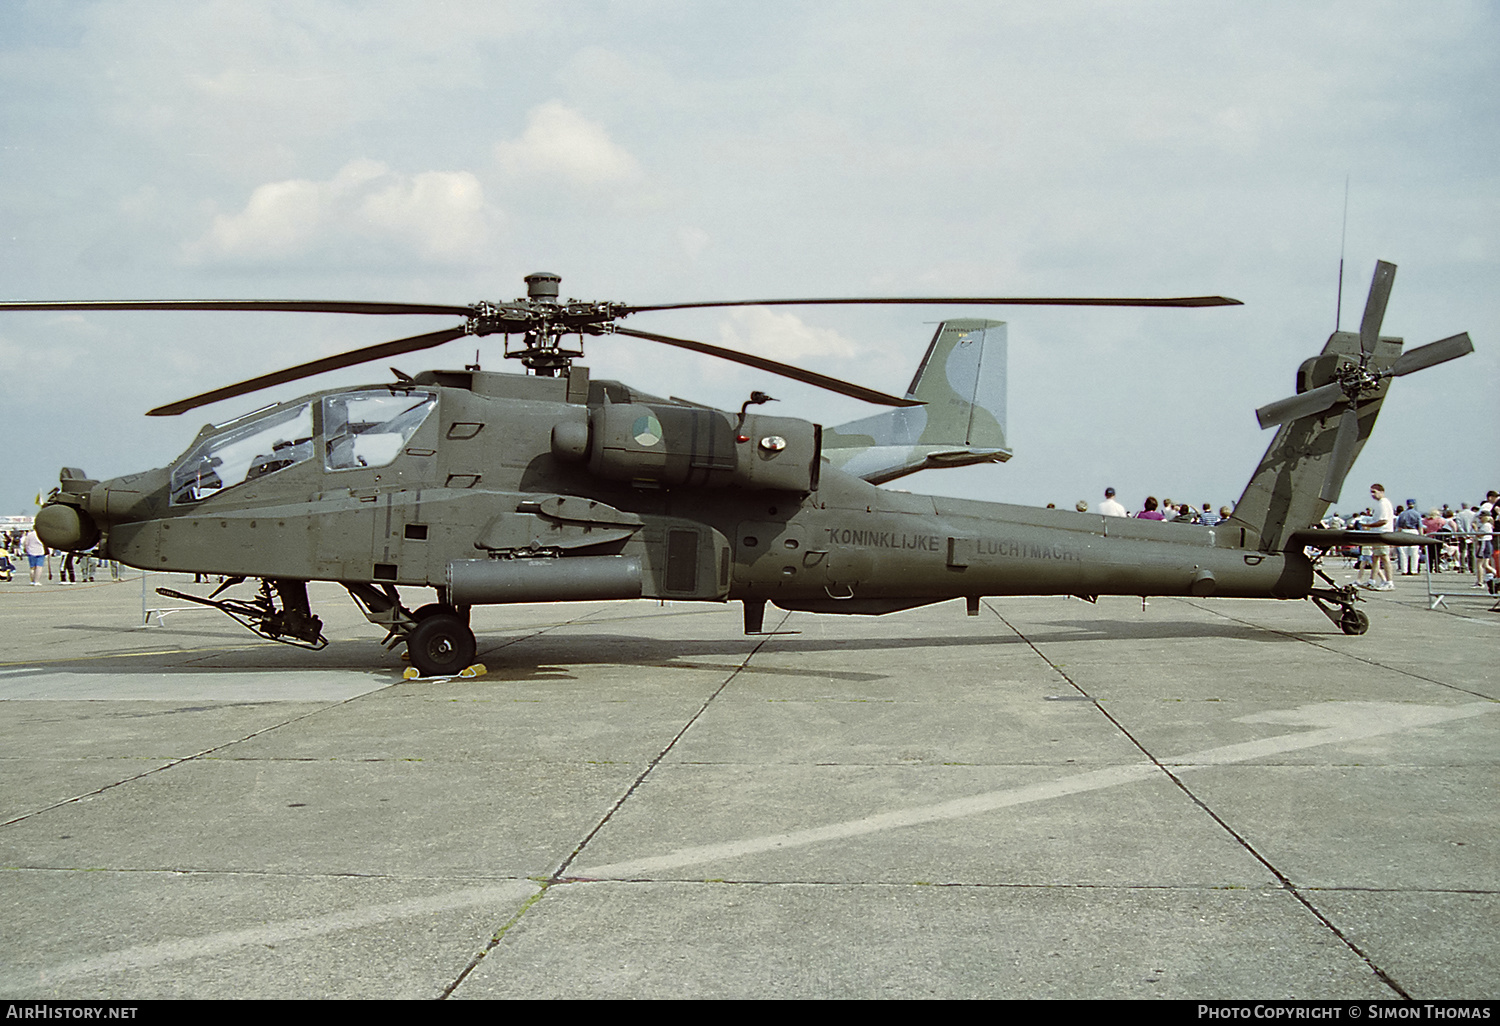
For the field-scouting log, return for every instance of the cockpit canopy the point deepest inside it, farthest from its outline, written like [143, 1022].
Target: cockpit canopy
[351, 430]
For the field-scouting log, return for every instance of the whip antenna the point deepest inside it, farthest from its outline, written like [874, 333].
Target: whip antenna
[1338, 315]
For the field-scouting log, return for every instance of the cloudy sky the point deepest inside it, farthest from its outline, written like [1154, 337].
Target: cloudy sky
[665, 150]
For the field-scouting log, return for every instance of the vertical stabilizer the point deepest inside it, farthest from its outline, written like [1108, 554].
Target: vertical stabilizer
[1325, 424]
[961, 381]
[1284, 493]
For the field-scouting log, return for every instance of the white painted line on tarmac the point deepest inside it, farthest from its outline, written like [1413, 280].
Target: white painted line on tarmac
[1336, 722]
[1347, 721]
[148, 956]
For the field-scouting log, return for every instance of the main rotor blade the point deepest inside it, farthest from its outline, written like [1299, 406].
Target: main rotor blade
[307, 370]
[1432, 354]
[1380, 294]
[786, 370]
[268, 305]
[1304, 404]
[1343, 455]
[953, 301]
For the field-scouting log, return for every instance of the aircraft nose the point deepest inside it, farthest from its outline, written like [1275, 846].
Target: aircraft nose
[61, 526]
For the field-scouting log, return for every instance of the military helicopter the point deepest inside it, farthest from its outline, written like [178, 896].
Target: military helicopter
[551, 486]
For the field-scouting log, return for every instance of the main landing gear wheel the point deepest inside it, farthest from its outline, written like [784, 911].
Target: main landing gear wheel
[441, 645]
[1354, 621]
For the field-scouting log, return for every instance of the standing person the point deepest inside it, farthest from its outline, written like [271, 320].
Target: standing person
[1406, 555]
[1465, 522]
[1208, 517]
[1442, 528]
[1382, 518]
[1484, 549]
[1150, 512]
[1109, 507]
[36, 555]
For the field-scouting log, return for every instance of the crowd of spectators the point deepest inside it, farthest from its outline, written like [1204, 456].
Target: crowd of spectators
[25, 548]
[1465, 530]
[1159, 509]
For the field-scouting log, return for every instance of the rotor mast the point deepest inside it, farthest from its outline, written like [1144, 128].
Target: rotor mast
[541, 347]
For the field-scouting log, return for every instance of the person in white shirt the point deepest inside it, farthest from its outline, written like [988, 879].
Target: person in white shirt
[1465, 521]
[36, 555]
[1382, 518]
[1109, 507]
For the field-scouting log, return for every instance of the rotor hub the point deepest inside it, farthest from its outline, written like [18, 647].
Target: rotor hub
[542, 286]
[1357, 380]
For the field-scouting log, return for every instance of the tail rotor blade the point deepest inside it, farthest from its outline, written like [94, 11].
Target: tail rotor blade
[1343, 455]
[1304, 404]
[1432, 354]
[1380, 294]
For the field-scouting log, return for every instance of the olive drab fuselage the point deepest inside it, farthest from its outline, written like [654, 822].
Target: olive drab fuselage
[494, 488]
[511, 488]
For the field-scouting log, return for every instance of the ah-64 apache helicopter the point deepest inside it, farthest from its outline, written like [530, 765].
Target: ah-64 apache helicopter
[497, 488]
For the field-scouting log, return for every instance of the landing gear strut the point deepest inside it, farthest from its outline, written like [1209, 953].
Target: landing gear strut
[1337, 603]
[280, 611]
[438, 639]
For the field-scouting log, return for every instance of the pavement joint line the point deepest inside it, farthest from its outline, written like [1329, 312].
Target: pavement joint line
[1339, 652]
[190, 758]
[1262, 887]
[656, 760]
[147, 956]
[187, 948]
[1403, 890]
[1270, 888]
[495, 939]
[1239, 838]
[556, 876]
[731, 881]
[1078, 783]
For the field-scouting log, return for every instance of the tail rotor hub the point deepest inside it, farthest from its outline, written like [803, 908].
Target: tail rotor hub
[1358, 381]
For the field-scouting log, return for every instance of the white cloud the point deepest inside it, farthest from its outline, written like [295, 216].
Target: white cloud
[366, 213]
[561, 143]
[782, 336]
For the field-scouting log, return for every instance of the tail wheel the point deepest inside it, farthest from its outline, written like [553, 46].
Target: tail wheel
[441, 645]
[1354, 621]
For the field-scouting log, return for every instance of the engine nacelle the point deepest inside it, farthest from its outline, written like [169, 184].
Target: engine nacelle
[670, 446]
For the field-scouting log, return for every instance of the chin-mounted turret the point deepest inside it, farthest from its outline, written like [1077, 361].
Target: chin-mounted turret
[64, 522]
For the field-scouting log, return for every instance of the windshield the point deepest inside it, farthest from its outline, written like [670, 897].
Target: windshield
[369, 429]
[244, 451]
